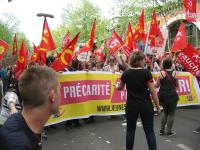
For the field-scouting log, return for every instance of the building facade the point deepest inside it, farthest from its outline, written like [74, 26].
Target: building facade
[171, 19]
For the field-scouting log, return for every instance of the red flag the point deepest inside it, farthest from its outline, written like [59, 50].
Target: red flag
[139, 30]
[35, 56]
[89, 45]
[22, 60]
[154, 29]
[126, 50]
[100, 52]
[42, 57]
[14, 45]
[66, 40]
[190, 10]
[63, 60]
[129, 38]
[3, 48]
[135, 45]
[47, 43]
[159, 42]
[83, 49]
[190, 59]
[114, 43]
[144, 39]
[180, 41]
[159, 47]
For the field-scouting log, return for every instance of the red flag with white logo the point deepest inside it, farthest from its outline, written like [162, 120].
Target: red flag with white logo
[114, 43]
[190, 59]
[180, 41]
[100, 52]
[190, 10]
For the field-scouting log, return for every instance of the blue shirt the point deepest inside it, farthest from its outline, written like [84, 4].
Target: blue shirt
[16, 135]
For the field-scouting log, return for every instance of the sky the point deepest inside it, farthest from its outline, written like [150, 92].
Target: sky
[31, 25]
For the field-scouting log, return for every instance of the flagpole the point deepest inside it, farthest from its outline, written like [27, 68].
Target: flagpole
[45, 16]
[196, 36]
[147, 41]
[165, 22]
[86, 57]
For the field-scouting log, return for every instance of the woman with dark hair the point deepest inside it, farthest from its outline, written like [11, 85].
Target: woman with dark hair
[139, 84]
[168, 96]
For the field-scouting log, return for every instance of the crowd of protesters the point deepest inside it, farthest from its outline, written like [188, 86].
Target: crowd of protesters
[167, 67]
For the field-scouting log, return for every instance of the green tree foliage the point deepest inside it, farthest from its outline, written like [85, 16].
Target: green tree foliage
[58, 35]
[80, 19]
[125, 11]
[9, 25]
[6, 34]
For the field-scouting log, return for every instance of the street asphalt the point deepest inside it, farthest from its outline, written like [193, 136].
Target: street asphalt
[107, 133]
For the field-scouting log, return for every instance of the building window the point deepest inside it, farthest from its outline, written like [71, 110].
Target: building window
[192, 33]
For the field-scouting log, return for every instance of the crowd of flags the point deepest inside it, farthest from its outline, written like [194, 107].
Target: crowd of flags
[63, 60]
[113, 44]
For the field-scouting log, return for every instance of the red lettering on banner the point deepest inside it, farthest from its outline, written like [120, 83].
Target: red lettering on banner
[85, 90]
